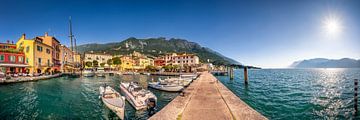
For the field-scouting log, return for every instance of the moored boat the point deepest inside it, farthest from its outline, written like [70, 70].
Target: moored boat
[192, 76]
[113, 100]
[179, 81]
[100, 72]
[137, 96]
[166, 86]
[88, 73]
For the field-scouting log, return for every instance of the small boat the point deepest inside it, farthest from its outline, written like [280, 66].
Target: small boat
[138, 97]
[179, 81]
[113, 100]
[192, 76]
[166, 86]
[100, 72]
[88, 73]
[145, 73]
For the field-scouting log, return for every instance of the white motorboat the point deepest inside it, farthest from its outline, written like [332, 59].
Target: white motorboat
[179, 81]
[100, 72]
[192, 76]
[166, 86]
[88, 73]
[113, 100]
[138, 97]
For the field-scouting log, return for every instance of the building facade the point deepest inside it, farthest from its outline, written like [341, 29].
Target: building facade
[54, 51]
[37, 55]
[100, 58]
[66, 59]
[12, 60]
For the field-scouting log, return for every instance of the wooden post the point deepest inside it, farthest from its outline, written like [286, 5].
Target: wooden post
[246, 75]
[231, 73]
[356, 95]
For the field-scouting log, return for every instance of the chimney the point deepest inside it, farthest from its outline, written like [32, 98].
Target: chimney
[8, 41]
[23, 36]
[46, 34]
[12, 42]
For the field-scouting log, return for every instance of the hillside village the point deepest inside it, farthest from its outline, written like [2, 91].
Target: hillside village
[47, 55]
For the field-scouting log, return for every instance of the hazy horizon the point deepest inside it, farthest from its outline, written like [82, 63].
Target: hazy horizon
[269, 34]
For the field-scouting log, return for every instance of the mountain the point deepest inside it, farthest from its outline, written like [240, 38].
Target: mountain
[156, 47]
[327, 63]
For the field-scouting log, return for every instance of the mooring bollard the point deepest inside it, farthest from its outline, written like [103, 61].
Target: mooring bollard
[356, 95]
[231, 73]
[246, 75]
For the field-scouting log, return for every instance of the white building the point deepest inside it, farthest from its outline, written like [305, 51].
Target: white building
[181, 59]
[101, 58]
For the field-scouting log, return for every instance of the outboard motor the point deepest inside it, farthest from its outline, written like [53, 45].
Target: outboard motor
[151, 103]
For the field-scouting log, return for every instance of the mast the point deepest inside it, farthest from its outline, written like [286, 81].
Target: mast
[71, 35]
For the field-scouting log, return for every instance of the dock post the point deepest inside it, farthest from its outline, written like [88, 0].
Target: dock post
[356, 95]
[246, 75]
[231, 73]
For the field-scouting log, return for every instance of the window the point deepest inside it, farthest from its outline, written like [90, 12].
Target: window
[27, 60]
[39, 48]
[47, 51]
[12, 58]
[27, 49]
[2, 57]
[48, 62]
[21, 59]
[39, 61]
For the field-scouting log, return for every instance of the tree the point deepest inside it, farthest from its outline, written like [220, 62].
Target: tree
[175, 67]
[95, 63]
[88, 64]
[150, 68]
[109, 62]
[102, 64]
[168, 68]
[116, 60]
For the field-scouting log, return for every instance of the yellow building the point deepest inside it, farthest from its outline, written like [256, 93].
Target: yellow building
[37, 54]
[126, 63]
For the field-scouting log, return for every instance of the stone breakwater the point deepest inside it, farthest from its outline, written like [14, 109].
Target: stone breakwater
[207, 99]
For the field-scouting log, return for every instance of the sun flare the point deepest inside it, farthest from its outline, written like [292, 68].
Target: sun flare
[332, 26]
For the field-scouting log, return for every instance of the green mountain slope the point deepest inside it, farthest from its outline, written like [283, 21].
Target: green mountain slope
[156, 47]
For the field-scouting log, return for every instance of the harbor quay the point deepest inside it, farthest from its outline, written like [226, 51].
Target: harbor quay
[207, 99]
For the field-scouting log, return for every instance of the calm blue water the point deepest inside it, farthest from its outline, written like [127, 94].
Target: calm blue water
[69, 98]
[298, 93]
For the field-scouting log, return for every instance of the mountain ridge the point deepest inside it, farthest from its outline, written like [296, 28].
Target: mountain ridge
[157, 46]
[326, 63]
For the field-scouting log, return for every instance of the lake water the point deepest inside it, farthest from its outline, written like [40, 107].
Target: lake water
[289, 94]
[69, 98]
[276, 93]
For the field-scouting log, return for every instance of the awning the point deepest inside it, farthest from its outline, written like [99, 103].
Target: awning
[13, 65]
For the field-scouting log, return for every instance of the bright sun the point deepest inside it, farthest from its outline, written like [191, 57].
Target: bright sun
[332, 26]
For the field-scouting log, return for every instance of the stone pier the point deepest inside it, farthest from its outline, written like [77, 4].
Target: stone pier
[207, 99]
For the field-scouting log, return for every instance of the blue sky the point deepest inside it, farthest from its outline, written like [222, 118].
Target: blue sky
[265, 33]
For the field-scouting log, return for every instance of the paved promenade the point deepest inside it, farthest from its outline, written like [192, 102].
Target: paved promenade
[207, 99]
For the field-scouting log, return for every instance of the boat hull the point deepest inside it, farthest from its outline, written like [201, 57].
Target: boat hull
[119, 110]
[166, 87]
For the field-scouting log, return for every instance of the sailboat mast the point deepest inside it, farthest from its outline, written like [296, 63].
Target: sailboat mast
[71, 35]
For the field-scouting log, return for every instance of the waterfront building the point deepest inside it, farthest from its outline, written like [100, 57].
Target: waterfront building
[169, 58]
[55, 51]
[99, 57]
[126, 63]
[159, 62]
[37, 54]
[66, 59]
[186, 59]
[181, 59]
[12, 60]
